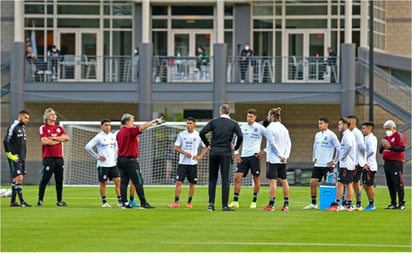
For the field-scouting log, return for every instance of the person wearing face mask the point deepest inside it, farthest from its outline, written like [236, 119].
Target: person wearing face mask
[245, 58]
[392, 148]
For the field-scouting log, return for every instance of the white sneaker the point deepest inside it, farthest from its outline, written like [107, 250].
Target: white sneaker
[310, 206]
[119, 204]
[106, 205]
[234, 204]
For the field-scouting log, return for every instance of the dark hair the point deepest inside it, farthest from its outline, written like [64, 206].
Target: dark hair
[369, 124]
[191, 119]
[324, 119]
[345, 121]
[23, 112]
[104, 121]
[252, 111]
[353, 117]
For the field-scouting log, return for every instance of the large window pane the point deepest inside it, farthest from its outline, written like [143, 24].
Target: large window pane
[263, 43]
[263, 24]
[122, 23]
[78, 10]
[159, 23]
[306, 23]
[192, 10]
[263, 10]
[191, 23]
[306, 10]
[122, 43]
[159, 43]
[78, 23]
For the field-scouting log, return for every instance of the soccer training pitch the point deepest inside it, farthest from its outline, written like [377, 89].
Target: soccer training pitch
[85, 226]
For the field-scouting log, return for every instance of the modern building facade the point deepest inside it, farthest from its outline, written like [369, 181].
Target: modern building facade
[142, 56]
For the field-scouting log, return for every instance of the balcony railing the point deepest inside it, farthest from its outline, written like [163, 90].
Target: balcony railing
[170, 69]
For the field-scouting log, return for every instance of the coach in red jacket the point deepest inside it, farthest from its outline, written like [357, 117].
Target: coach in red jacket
[392, 149]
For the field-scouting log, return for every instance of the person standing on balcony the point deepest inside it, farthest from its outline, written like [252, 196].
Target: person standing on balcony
[223, 129]
[15, 148]
[392, 148]
[52, 136]
[277, 154]
[325, 147]
[245, 59]
[54, 55]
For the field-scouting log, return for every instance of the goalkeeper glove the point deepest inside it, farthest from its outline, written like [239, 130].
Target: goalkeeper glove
[12, 157]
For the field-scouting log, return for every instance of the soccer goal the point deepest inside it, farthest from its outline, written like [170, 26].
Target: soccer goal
[158, 159]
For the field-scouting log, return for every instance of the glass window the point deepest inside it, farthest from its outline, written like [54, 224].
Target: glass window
[119, 10]
[191, 23]
[159, 43]
[122, 23]
[159, 10]
[263, 24]
[306, 10]
[159, 23]
[34, 22]
[34, 9]
[306, 23]
[78, 23]
[228, 10]
[263, 43]
[263, 10]
[122, 41]
[229, 42]
[192, 10]
[78, 10]
[228, 24]
[106, 23]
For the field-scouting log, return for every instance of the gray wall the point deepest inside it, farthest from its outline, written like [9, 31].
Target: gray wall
[242, 26]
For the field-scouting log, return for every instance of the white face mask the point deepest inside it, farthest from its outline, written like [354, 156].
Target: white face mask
[389, 133]
[247, 48]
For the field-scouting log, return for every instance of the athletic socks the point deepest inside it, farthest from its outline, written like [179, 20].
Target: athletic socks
[177, 199]
[236, 196]
[255, 195]
[104, 199]
[19, 191]
[285, 201]
[371, 202]
[272, 201]
[313, 200]
[13, 192]
[189, 200]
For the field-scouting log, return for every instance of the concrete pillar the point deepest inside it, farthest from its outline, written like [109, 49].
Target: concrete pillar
[146, 21]
[348, 70]
[219, 71]
[145, 82]
[220, 22]
[17, 64]
[364, 24]
[348, 21]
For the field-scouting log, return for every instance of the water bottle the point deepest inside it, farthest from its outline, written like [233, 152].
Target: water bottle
[330, 178]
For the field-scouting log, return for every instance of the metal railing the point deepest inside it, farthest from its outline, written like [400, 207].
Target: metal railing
[386, 85]
[174, 69]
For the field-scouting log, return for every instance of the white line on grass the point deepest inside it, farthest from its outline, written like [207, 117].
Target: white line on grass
[294, 244]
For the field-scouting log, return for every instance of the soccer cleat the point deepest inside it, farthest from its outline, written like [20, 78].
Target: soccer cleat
[174, 205]
[146, 206]
[234, 204]
[39, 203]
[226, 208]
[391, 206]
[401, 207]
[126, 206]
[211, 207]
[133, 203]
[268, 208]
[284, 208]
[348, 208]
[310, 206]
[253, 205]
[370, 208]
[357, 208]
[14, 204]
[119, 204]
[106, 204]
[189, 205]
[61, 203]
[25, 204]
[332, 208]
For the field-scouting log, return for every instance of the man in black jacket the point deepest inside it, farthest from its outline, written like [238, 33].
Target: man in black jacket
[223, 129]
[15, 148]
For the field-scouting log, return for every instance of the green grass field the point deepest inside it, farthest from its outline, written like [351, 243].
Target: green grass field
[85, 226]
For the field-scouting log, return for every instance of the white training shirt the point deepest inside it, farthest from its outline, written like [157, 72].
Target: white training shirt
[189, 142]
[360, 147]
[347, 152]
[325, 144]
[106, 146]
[371, 145]
[278, 142]
[252, 138]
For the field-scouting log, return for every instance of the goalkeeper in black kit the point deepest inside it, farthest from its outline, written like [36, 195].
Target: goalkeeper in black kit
[223, 129]
[15, 147]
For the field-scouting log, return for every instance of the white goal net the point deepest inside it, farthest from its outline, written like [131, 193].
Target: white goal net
[158, 160]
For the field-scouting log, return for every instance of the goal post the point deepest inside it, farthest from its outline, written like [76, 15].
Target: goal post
[157, 159]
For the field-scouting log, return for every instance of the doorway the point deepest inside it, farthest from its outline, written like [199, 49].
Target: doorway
[80, 51]
[305, 54]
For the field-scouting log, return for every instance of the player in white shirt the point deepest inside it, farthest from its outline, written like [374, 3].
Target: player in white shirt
[187, 145]
[360, 160]
[106, 145]
[347, 163]
[278, 149]
[325, 148]
[371, 166]
[249, 159]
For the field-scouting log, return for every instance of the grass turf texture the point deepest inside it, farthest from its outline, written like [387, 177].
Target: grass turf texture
[85, 226]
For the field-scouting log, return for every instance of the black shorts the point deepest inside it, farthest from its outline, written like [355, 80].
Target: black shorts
[105, 173]
[368, 177]
[189, 171]
[17, 168]
[345, 176]
[357, 173]
[320, 172]
[249, 162]
[276, 170]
